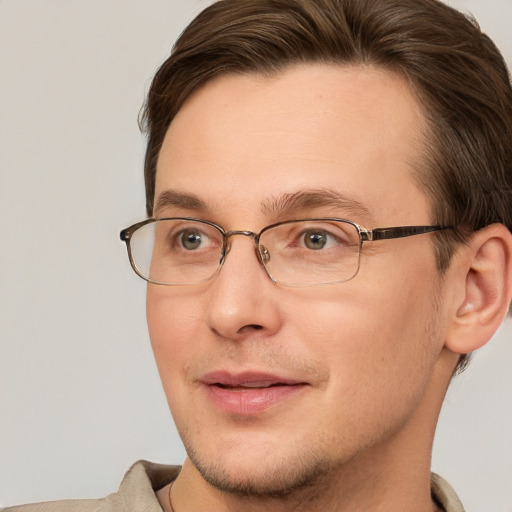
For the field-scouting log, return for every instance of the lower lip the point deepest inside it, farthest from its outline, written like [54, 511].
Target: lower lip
[251, 400]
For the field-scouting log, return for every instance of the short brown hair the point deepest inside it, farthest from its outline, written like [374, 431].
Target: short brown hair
[456, 71]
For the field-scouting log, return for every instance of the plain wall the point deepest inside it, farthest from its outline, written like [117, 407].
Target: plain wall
[80, 398]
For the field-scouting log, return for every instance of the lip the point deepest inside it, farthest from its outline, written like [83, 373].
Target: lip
[249, 393]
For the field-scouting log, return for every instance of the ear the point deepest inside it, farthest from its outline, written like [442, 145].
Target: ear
[483, 269]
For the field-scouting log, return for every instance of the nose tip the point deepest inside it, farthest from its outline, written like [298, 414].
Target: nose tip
[241, 304]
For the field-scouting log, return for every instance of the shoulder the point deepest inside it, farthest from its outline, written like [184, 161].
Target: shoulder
[59, 506]
[136, 492]
[444, 494]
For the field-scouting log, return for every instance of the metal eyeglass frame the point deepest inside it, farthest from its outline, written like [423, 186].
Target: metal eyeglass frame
[365, 235]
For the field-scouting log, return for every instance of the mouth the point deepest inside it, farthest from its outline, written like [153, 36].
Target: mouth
[247, 380]
[249, 393]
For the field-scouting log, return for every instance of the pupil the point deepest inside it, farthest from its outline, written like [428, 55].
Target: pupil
[315, 241]
[191, 240]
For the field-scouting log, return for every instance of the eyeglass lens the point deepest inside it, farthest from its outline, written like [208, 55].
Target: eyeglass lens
[295, 253]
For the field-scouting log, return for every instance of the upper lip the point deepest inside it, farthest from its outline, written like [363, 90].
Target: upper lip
[247, 378]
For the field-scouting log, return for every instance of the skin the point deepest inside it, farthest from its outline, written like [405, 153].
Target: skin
[371, 351]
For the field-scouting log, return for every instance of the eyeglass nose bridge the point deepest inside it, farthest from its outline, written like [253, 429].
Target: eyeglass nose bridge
[261, 252]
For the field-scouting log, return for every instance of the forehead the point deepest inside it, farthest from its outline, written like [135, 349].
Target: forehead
[355, 130]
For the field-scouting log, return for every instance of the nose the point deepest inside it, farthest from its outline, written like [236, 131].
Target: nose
[243, 300]
[262, 256]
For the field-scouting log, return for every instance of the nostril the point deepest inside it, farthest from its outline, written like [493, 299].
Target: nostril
[249, 327]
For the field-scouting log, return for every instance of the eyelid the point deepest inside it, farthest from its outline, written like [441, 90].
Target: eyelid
[329, 235]
[206, 231]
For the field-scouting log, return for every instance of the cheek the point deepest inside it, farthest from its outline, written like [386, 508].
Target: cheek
[379, 365]
[173, 320]
[374, 340]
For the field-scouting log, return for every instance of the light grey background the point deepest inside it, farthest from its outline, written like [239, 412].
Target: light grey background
[80, 399]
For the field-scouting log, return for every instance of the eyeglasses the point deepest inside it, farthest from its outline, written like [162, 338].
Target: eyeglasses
[308, 252]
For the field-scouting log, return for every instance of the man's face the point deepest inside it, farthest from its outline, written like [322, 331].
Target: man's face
[349, 364]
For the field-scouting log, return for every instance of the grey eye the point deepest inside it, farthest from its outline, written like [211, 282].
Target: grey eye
[191, 240]
[315, 240]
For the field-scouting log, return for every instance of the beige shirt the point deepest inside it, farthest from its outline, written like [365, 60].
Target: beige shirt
[137, 493]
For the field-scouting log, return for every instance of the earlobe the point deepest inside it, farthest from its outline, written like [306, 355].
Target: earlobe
[486, 267]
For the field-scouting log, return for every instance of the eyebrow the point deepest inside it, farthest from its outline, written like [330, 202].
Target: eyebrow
[174, 199]
[304, 200]
[275, 208]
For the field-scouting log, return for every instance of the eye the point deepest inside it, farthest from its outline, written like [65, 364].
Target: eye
[316, 239]
[185, 238]
[191, 239]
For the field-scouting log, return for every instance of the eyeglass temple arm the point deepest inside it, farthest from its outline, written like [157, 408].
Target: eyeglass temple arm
[397, 232]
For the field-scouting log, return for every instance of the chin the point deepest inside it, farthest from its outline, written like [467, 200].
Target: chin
[271, 475]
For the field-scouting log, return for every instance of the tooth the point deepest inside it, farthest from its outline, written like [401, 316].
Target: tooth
[263, 384]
